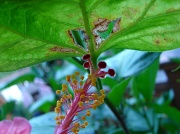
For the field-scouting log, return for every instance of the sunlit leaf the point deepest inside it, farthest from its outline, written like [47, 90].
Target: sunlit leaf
[35, 31]
[151, 25]
[18, 51]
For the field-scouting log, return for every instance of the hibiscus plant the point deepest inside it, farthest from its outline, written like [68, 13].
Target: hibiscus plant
[95, 36]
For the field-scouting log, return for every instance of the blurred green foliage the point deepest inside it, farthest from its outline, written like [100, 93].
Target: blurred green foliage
[29, 37]
[131, 92]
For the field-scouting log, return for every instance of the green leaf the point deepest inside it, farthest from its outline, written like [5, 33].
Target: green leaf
[169, 126]
[175, 60]
[35, 31]
[7, 108]
[43, 124]
[117, 92]
[77, 62]
[20, 79]
[109, 82]
[79, 37]
[131, 62]
[144, 83]
[109, 30]
[166, 98]
[151, 25]
[135, 117]
[44, 104]
[134, 120]
[171, 112]
[17, 51]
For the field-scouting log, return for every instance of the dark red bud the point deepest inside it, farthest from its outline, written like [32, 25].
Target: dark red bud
[86, 65]
[86, 57]
[111, 72]
[102, 64]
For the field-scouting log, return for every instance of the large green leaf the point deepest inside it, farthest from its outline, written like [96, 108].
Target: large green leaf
[144, 83]
[17, 51]
[36, 31]
[151, 25]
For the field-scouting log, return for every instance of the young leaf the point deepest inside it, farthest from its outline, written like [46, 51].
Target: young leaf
[117, 92]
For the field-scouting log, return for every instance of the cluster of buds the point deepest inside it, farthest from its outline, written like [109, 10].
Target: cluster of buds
[73, 108]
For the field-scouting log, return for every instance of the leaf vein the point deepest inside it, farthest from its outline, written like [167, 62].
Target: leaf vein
[94, 6]
[146, 10]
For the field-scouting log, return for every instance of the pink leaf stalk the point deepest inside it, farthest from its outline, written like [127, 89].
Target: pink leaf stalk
[73, 119]
[19, 125]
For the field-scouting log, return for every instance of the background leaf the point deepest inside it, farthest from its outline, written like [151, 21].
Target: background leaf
[117, 92]
[6, 108]
[43, 124]
[135, 120]
[44, 104]
[130, 62]
[171, 112]
[20, 79]
[144, 83]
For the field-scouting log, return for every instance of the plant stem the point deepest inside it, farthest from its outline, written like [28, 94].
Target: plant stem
[114, 110]
[91, 48]
[91, 44]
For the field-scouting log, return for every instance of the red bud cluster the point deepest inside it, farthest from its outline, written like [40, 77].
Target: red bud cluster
[101, 65]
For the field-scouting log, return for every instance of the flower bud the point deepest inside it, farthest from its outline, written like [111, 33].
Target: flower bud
[86, 57]
[111, 72]
[102, 64]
